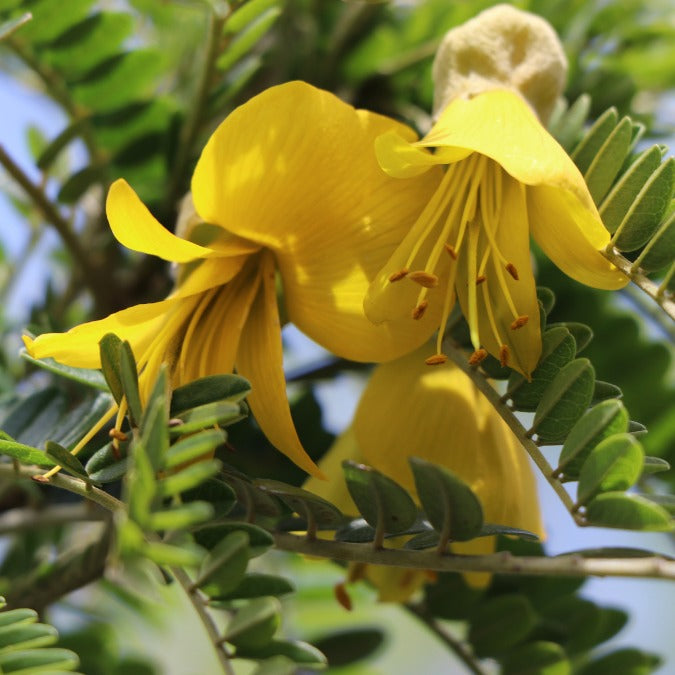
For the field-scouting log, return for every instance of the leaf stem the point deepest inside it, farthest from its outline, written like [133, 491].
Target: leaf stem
[641, 281]
[455, 645]
[460, 359]
[98, 284]
[568, 565]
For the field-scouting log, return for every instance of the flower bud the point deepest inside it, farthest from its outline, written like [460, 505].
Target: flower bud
[501, 48]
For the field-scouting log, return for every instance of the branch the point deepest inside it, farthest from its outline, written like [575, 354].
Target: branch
[460, 359]
[569, 565]
[20, 520]
[82, 257]
[641, 281]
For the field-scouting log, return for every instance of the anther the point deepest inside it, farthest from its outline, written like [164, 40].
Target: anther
[342, 596]
[117, 435]
[425, 279]
[504, 355]
[397, 276]
[451, 250]
[480, 279]
[520, 322]
[418, 312]
[511, 269]
[478, 356]
[436, 360]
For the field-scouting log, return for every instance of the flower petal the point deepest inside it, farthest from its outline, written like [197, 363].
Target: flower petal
[572, 235]
[136, 228]
[79, 346]
[260, 360]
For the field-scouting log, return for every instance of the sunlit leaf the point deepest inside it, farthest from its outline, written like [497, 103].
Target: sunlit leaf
[628, 512]
[254, 624]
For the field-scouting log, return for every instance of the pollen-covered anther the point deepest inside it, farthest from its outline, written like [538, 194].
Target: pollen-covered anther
[342, 596]
[478, 356]
[520, 322]
[418, 312]
[480, 279]
[436, 360]
[397, 276]
[425, 279]
[117, 435]
[504, 355]
[451, 251]
[511, 269]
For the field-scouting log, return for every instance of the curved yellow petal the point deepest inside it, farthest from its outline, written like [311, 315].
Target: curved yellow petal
[136, 228]
[79, 346]
[571, 234]
[260, 360]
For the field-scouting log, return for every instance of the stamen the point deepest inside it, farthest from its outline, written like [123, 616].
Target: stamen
[436, 360]
[478, 356]
[451, 250]
[425, 279]
[520, 322]
[118, 435]
[473, 302]
[491, 316]
[418, 312]
[342, 596]
[397, 276]
[448, 302]
[504, 355]
[511, 269]
[480, 279]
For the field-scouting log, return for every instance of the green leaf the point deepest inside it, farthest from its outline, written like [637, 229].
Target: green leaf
[8, 27]
[245, 40]
[644, 215]
[30, 419]
[614, 464]
[609, 159]
[654, 465]
[568, 128]
[537, 658]
[211, 389]
[624, 661]
[167, 554]
[256, 501]
[254, 624]
[188, 478]
[90, 378]
[304, 503]
[66, 460]
[576, 621]
[139, 150]
[247, 13]
[51, 18]
[221, 413]
[26, 636]
[547, 298]
[224, 566]
[51, 152]
[666, 501]
[636, 428]
[141, 485]
[298, 652]
[500, 623]
[449, 503]
[129, 379]
[259, 540]
[107, 465]
[277, 665]
[194, 447]
[564, 401]
[628, 512]
[109, 352]
[625, 192]
[660, 250]
[605, 390]
[558, 349]
[604, 420]
[581, 333]
[348, 646]
[180, 517]
[80, 182]
[491, 529]
[32, 661]
[595, 138]
[380, 500]
[25, 454]
[255, 586]
[154, 430]
[214, 491]
[17, 616]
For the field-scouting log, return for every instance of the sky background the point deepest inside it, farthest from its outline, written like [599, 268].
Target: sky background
[650, 603]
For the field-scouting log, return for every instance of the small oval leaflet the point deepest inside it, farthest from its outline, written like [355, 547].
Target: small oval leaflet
[628, 512]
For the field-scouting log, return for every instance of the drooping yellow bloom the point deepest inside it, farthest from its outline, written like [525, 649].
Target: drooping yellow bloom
[439, 415]
[286, 185]
[506, 178]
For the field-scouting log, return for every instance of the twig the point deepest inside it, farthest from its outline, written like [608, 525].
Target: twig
[19, 520]
[455, 645]
[186, 584]
[570, 565]
[460, 359]
[641, 281]
[82, 257]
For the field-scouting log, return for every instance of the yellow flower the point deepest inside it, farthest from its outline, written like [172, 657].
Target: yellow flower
[285, 185]
[506, 177]
[439, 415]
